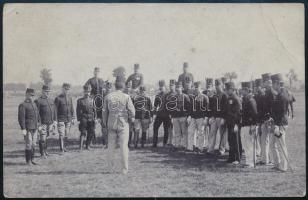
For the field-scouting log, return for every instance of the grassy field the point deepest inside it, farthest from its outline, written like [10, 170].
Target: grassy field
[152, 173]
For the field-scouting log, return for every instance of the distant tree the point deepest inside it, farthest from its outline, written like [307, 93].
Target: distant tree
[36, 86]
[119, 71]
[292, 76]
[46, 76]
[230, 75]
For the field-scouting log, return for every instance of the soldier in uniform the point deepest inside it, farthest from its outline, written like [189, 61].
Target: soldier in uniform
[199, 104]
[233, 117]
[65, 115]
[143, 116]
[170, 107]
[259, 97]
[280, 118]
[118, 112]
[48, 116]
[185, 75]
[136, 78]
[217, 121]
[161, 115]
[108, 89]
[179, 118]
[128, 90]
[248, 124]
[86, 115]
[29, 121]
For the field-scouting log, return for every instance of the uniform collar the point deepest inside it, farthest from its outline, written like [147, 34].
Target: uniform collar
[28, 101]
[44, 97]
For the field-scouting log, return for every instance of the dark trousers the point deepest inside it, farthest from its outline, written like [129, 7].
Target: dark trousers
[87, 128]
[166, 123]
[234, 140]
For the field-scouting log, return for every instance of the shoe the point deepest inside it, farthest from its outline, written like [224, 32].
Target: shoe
[221, 153]
[124, 171]
[236, 162]
[248, 166]
[65, 150]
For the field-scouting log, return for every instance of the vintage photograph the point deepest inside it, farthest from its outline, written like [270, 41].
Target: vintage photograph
[154, 100]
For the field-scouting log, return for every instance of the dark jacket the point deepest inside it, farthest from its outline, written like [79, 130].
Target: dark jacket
[199, 106]
[143, 107]
[85, 109]
[47, 110]
[260, 100]
[183, 76]
[136, 79]
[233, 110]
[217, 105]
[249, 112]
[65, 108]
[279, 108]
[182, 106]
[160, 105]
[96, 85]
[267, 104]
[170, 103]
[28, 115]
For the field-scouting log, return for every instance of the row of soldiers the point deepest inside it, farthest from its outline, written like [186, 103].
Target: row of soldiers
[191, 117]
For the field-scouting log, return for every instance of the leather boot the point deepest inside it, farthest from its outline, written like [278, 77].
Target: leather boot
[81, 142]
[41, 148]
[136, 139]
[143, 139]
[32, 157]
[61, 143]
[65, 144]
[28, 156]
[45, 148]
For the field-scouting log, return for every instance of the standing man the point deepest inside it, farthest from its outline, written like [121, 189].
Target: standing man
[161, 115]
[128, 90]
[248, 126]
[218, 103]
[29, 121]
[179, 118]
[259, 97]
[86, 115]
[136, 78]
[108, 89]
[197, 119]
[65, 115]
[185, 75]
[118, 112]
[280, 117]
[170, 107]
[233, 117]
[48, 116]
[143, 116]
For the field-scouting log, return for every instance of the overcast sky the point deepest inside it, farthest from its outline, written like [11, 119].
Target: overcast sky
[72, 39]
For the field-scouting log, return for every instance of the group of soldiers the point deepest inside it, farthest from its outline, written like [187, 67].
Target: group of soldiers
[252, 119]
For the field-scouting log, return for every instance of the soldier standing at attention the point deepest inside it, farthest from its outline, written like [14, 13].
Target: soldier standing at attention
[136, 78]
[48, 116]
[199, 104]
[259, 97]
[280, 117]
[170, 106]
[118, 112]
[248, 125]
[233, 117]
[65, 115]
[108, 89]
[161, 115]
[179, 118]
[86, 115]
[29, 121]
[143, 116]
[185, 75]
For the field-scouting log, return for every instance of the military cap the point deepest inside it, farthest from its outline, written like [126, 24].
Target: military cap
[266, 77]
[161, 83]
[172, 82]
[277, 78]
[108, 85]
[136, 66]
[142, 88]
[230, 85]
[209, 81]
[87, 88]
[66, 86]
[258, 82]
[46, 88]
[30, 91]
[187, 79]
[185, 64]
[218, 81]
[224, 80]
[178, 85]
[197, 84]
[96, 69]
[247, 85]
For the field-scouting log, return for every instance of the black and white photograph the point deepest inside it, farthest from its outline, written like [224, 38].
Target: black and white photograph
[154, 100]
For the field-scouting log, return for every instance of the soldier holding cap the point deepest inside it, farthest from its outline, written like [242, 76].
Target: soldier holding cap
[280, 118]
[218, 103]
[65, 115]
[233, 117]
[199, 104]
[48, 116]
[86, 115]
[185, 76]
[249, 121]
[143, 116]
[136, 78]
[118, 112]
[170, 106]
[161, 114]
[29, 121]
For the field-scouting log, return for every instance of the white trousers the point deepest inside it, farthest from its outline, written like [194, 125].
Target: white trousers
[277, 146]
[265, 142]
[215, 126]
[180, 137]
[196, 133]
[248, 137]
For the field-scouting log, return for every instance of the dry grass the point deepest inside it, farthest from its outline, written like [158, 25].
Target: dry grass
[152, 173]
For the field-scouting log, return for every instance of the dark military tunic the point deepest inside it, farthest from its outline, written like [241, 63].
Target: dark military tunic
[137, 80]
[217, 105]
[97, 85]
[184, 77]
[28, 115]
[47, 110]
[279, 110]
[260, 100]
[86, 115]
[250, 114]
[199, 106]
[182, 106]
[65, 108]
[143, 107]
